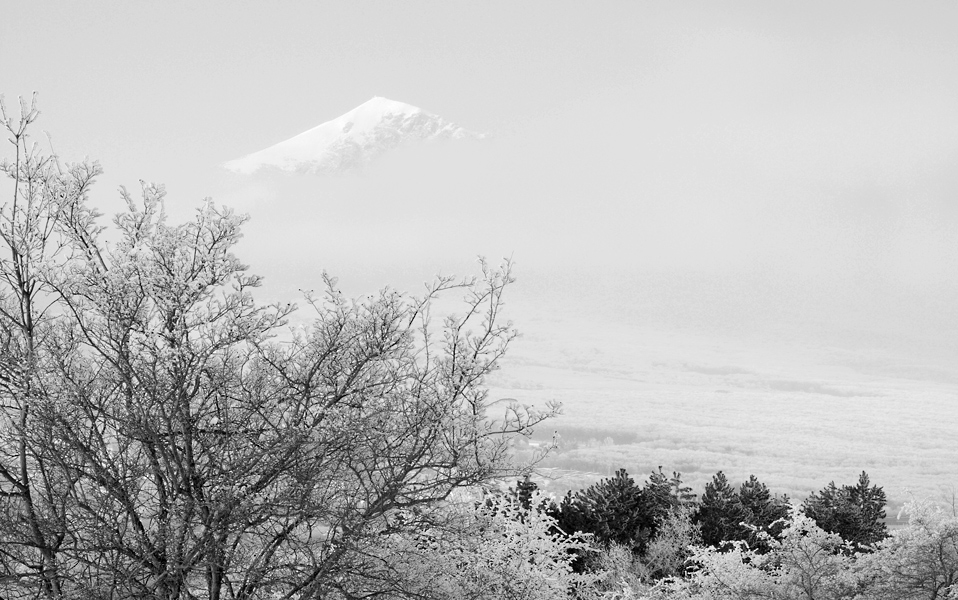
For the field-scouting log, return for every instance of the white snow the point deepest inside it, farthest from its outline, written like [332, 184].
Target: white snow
[352, 139]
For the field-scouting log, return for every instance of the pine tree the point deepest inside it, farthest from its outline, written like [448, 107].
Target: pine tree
[617, 511]
[720, 512]
[856, 512]
[524, 491]
[761, 511]
[730, 515]
[681, 492]
[658, 499]
[870, 501]
[611, 508]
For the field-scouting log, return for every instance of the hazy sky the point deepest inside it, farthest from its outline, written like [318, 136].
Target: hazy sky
[789, 160]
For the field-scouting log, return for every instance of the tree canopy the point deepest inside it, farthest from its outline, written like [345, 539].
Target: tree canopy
[164, 435]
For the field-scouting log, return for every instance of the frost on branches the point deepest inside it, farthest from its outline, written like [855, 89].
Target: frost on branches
[162, 435]
[917, 562]
[497, 549]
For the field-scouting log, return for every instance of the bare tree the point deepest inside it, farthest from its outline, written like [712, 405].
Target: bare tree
[32, 493]
[186, 442]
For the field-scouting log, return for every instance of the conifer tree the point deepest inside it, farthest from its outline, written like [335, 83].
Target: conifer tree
[681, 492]
[762, 512]
[618, 511]
[719, 512]
[855, 512]
[730, 515]
[609, 509]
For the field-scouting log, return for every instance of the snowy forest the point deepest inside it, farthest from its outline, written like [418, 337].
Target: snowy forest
[164, 435]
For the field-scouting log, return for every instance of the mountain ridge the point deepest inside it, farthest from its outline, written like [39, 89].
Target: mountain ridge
[352, 140]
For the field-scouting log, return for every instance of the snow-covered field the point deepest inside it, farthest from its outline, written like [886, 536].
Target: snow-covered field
[796, 410]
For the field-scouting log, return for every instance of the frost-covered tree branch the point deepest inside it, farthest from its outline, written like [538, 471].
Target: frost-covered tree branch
[166, 436]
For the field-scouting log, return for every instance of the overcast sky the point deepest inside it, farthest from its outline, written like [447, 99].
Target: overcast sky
[794, 161]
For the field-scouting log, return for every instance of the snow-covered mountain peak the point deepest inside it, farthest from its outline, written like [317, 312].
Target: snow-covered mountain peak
[352, 140]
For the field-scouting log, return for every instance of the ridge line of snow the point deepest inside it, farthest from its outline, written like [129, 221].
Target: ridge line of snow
[352, 140]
